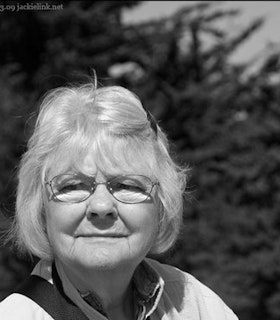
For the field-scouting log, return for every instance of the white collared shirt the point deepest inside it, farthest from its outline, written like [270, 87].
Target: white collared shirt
[172, 295]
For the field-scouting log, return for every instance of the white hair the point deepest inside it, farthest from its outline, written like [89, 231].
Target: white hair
[111, 122]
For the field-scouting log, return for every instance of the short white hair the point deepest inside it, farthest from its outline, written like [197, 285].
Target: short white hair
[72, 121]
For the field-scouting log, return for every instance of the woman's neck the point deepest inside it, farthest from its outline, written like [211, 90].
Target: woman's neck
[112, 288]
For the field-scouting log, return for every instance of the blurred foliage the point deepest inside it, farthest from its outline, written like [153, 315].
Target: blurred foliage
[223, 118]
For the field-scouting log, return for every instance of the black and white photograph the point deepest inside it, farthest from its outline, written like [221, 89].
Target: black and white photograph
[139, 160]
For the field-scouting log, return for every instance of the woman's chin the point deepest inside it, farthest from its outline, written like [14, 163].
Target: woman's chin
[100, 257]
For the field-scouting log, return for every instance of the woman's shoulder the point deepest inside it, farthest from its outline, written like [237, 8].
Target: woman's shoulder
[17, 306]
[181, 287]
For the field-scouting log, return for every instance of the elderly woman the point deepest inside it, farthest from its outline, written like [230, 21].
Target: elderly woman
[97, 193]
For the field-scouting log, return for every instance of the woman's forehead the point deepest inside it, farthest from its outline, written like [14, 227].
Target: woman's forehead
[90, 162]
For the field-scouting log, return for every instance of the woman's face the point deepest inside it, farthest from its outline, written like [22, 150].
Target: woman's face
[100, 233]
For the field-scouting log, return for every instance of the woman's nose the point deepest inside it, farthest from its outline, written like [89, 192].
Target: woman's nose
[101, 203]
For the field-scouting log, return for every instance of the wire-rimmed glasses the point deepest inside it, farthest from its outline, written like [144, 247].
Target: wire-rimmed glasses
[76, 188]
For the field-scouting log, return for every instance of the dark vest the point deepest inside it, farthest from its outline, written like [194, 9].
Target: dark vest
[51, 297]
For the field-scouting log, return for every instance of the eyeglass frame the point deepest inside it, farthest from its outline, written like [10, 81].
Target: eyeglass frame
[94, 185]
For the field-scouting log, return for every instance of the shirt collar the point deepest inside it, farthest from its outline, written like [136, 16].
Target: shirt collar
[148, 286]
[147, 283]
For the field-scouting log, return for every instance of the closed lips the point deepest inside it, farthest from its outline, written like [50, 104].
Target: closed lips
[104, 235]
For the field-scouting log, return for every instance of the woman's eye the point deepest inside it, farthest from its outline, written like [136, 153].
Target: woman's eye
[72, 187]
[129, 187]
